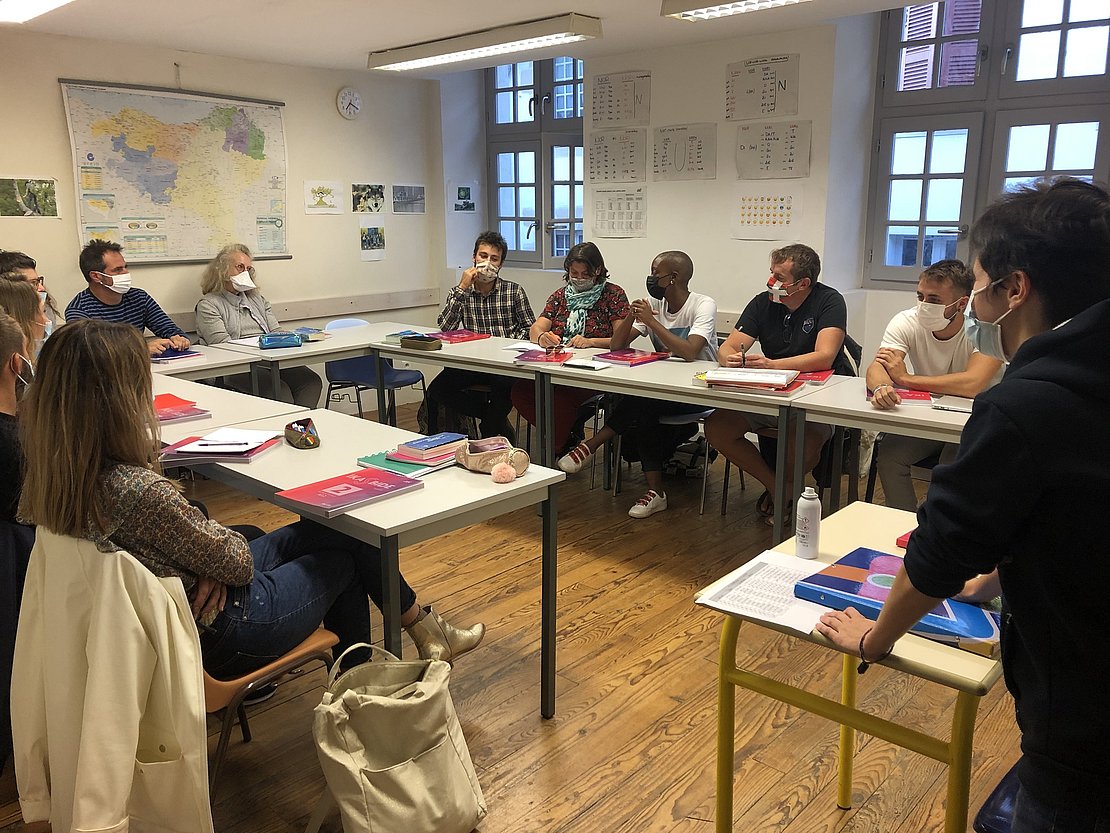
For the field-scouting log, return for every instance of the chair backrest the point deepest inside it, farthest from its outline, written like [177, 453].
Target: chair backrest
[344, 323]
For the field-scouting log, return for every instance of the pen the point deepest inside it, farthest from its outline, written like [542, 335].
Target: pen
[210, 444]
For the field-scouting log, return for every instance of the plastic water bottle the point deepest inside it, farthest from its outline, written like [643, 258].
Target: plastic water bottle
[807, 528]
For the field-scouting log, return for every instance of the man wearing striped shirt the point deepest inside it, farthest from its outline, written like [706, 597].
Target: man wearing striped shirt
[485, 303]
[110, 297]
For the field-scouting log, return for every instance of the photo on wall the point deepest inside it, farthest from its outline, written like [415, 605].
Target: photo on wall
[367, 198]
[371, 239]
[28, 198]
[322, 197]
[408, 199]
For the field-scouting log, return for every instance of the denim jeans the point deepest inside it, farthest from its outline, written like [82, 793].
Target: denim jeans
[304, 574]
[1033, 816]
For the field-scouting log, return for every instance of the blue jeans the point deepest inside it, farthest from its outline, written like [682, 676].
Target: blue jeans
[304, 574]
[1033, 816]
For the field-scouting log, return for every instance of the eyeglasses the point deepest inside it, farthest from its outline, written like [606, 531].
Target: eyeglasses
[39, 281]
[249, 270]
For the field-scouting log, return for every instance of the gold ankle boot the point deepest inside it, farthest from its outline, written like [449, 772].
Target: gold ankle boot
[436, 638]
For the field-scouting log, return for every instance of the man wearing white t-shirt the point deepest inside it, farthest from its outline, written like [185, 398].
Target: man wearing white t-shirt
[926, 348]
[679, 322]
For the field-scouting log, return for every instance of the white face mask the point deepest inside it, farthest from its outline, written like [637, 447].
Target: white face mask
[932, 317]
[120, 283]
[242, 282]
[486, 271]
[986, 336]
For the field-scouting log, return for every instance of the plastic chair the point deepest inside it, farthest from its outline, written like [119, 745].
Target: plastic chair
[671, 419]
[224, 698]
[361, 373]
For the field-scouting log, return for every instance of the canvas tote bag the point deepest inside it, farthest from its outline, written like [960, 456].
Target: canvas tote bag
[392, 749]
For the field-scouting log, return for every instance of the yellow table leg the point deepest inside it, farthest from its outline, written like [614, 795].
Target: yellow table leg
[726, 723]
[848, 677]
[959, 762]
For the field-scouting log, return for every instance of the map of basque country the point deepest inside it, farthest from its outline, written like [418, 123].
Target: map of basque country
[177, 176]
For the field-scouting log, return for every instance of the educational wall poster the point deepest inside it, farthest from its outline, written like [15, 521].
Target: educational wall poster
[761, 87]
[371, 238]
[28, 198]
[617, 155]
[323, 197]
[408, 199]
[778, 150]
[685, 151]
[367, 198]
[176, 175]
[620, 98]
[619, 212]
[766, 212]
[462, 197]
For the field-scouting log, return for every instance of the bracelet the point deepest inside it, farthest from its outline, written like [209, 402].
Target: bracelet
[864, 664]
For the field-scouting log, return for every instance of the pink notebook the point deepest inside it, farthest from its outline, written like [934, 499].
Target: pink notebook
[337, 495]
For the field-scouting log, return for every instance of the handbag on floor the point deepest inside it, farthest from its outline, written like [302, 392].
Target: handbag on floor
[392, 749]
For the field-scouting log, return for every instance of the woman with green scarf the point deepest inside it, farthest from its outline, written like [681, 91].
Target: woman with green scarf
[578, 315]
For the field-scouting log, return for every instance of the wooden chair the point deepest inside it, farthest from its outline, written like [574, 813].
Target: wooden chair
[224, 698]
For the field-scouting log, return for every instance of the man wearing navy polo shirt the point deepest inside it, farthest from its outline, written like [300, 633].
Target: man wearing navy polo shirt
[110, 297]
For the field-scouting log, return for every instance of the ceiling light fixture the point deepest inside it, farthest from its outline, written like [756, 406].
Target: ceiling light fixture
[20, 11]
[488, 43]
[688, 10]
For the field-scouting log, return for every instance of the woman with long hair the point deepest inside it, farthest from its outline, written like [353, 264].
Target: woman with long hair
[234, 307]
[90, 437]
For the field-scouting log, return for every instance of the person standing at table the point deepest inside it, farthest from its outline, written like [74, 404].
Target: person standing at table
[679, 322]
[485, 303]
[926, 348]
[579, 315]
[233, 307]
[111, 297]
[1024, 495]
[800, 325]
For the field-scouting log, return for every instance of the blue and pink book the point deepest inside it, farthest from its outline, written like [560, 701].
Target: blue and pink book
[862, 579]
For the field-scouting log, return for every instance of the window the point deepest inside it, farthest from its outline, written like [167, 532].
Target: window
[978, 96]
[534, 130]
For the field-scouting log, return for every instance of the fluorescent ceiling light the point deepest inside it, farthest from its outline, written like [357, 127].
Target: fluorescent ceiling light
[20, 11]
[488, 43]
[689, 10]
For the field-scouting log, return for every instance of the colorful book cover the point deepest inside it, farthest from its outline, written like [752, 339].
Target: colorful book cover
[630, 357]
[862, 579]
[544, 357]
[170, 408]
[458, 336]
[172, 355]
[400, 456]
[337, 495]
[434, 441]
[382, 460]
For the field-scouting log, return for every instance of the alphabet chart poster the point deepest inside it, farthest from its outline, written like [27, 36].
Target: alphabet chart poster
[761, 87]
[620, 98]
[685, 151]
[766, 212]
[619, 212]
[617, 155]
[773, 150]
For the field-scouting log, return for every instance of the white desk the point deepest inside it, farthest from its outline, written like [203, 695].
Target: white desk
[227, 406]
[450, 499]
[971, 676]
[347, 343]
[213, 361]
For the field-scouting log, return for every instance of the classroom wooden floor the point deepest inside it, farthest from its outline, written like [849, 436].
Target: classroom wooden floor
[632, 745]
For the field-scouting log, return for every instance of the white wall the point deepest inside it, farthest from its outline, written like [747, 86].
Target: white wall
[396, 140]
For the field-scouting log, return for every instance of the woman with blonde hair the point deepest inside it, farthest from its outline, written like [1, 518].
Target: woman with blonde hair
[19, 299]
[90, 437]
[233, 307]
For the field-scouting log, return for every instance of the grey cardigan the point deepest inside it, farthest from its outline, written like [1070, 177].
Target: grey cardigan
[219, 315]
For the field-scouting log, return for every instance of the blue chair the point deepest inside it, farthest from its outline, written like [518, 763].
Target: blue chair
[361, 373]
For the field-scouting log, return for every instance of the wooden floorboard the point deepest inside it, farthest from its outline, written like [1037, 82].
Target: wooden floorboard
[632, 746]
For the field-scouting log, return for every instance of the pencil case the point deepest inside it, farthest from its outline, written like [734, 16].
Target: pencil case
[273, 341]
[419, 342]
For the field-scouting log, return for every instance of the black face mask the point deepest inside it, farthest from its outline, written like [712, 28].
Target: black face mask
[654, 289]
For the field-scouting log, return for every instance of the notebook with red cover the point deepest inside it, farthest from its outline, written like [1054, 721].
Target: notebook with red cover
[543, 357]
[630, 357]
[786, 391]
[345, 492]
[909, 397]
[903, 540]
[457, 336]
[170, 408]
[815, 377]
[172, 457]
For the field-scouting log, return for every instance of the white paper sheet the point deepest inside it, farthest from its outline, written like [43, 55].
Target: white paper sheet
[763, 590]
[230, 439]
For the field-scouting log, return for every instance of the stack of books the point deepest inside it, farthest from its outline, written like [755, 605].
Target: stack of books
[751, 379]
[387, 460]
[429, 451]
[170, 408]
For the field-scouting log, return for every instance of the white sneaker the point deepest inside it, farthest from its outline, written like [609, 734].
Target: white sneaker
[573, 460]
[649, 504]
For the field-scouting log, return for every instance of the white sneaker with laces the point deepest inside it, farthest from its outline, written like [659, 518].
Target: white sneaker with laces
[573, 460]
[649, 504]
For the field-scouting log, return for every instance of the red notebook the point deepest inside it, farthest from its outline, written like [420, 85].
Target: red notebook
[457, 336]
[170, 408]
[171, 456]
[815, 377]
[786, 391]
[910, 397]
[543, 357]
[337, 495]
[903, 540]
[630, 357]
